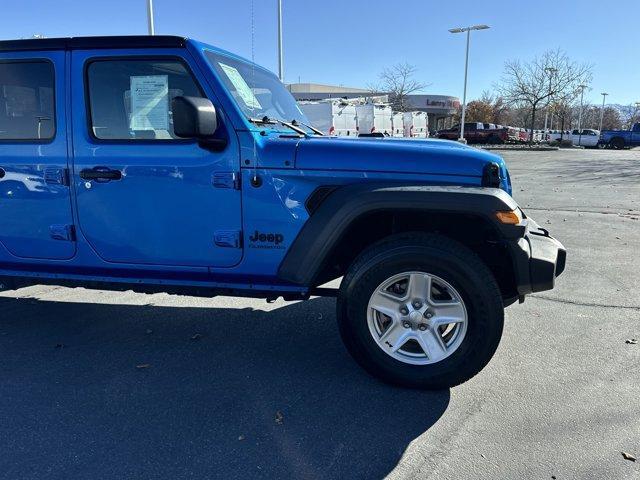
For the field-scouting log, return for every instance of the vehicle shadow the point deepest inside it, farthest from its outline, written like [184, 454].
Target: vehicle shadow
[119, 391]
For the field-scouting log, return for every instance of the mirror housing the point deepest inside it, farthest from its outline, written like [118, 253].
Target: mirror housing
[196, 117]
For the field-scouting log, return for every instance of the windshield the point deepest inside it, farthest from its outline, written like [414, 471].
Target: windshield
[257, 92]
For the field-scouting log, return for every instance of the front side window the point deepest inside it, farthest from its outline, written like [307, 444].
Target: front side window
[131, 99]
[257, 92]
[27, 102]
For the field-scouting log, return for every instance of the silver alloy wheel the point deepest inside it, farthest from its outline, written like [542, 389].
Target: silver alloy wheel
[417, 318]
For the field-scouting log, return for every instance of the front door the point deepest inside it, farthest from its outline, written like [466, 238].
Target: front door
[144, 195]
[35, 201]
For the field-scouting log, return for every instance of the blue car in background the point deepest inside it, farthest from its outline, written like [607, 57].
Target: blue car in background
[161, 164]
[620, 139]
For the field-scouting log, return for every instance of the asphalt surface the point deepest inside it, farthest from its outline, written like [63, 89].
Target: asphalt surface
[109, 385]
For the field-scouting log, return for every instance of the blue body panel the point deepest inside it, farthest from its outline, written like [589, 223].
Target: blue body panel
[166, 194]
[31, 200]
[631, 137]
[163, 221]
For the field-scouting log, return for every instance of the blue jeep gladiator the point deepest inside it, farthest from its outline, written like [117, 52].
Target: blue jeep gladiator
[620, 139]
[160, 164]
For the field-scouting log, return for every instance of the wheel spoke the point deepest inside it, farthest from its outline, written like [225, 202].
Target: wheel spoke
[431, 342]
[449, 312]
[419, 286]
[386, 303]
[394, 337]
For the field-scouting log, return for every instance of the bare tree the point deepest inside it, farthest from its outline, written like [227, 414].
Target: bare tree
[552, 76]
[630, 114]
[611, 119]
[564, 111]
[499, 108]
[399, 82]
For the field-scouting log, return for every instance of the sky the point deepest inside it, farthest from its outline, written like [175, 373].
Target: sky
[349, 42]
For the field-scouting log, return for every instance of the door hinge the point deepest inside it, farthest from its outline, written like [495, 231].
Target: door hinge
[228, 238]
[56, 176]
[63, 232]
[226, 180]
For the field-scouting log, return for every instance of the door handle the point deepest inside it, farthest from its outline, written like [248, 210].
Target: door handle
[2, 172]
[100, 174]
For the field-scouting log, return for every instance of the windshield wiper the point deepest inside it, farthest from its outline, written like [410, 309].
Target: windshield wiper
[273, 121]
[313, 129]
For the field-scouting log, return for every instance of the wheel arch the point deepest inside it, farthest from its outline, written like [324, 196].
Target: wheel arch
[617, 141]
[349, 219]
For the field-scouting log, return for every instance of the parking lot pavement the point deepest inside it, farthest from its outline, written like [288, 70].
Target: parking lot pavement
[119, 385]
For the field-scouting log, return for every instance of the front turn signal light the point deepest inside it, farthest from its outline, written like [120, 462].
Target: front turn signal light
[509, 217]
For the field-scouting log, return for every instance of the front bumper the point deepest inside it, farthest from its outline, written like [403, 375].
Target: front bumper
[538, 259]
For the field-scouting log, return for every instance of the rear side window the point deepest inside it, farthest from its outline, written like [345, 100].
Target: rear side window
[27, 102]
[131, 99]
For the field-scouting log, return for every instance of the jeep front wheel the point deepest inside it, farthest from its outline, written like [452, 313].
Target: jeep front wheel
[420, 310]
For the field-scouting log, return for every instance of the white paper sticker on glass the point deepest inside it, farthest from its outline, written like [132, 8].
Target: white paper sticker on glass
[243, 89]
[149, 102]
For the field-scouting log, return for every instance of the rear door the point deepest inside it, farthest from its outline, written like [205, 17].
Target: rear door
[35, 203]
[157, 199]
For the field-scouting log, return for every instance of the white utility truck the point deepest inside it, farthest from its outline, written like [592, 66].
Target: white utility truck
[374, 119]
[332, 117]
[416, 124]
[397, 123]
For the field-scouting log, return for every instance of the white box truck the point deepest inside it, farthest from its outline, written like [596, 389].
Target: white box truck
[374, 119]
[416, 124]
[397, 124]
[333, 117]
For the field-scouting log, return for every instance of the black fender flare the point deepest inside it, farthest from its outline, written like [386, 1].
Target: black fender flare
[336, 212]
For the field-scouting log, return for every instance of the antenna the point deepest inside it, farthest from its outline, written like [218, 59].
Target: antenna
[280, 56]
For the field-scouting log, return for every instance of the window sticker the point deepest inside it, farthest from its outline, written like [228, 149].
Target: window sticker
[243, 89]
[149, 102]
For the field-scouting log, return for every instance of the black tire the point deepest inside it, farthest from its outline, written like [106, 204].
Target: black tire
[452, 262]
[617, 143]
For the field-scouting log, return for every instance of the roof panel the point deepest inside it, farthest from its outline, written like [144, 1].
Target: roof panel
[71, 43]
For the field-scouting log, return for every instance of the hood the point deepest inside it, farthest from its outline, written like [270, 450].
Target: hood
[428, 157]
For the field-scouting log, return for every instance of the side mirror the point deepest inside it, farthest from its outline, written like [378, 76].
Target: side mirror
[196, 117]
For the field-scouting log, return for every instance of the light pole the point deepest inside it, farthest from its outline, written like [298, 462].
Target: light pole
[550, 71]
[150, 17]
[466, 30]
[280, 57]
[604, 96]
[581, 87]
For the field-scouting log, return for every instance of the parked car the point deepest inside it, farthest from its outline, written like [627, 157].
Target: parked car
[558, 135]
[619, 139]
[585, 137]
[374, 119]
[523, 135]
[334, 117]
[506, 135]
[537, 135]
[225, 189]
[474, 132]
